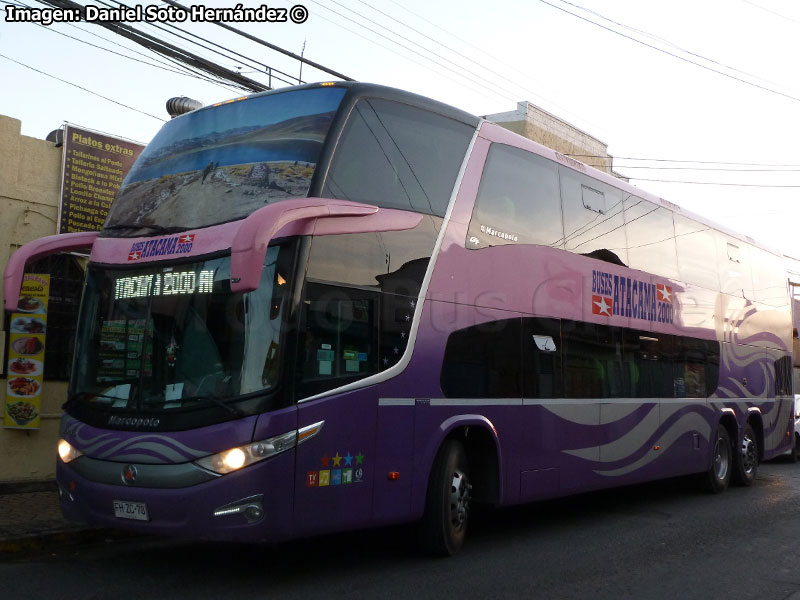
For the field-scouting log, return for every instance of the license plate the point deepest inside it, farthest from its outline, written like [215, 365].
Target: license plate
[123, 509]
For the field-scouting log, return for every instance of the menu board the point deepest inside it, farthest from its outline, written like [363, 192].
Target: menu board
[26, 354]
[94, 167]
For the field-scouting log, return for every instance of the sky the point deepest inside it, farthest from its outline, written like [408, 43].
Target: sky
[707, 91]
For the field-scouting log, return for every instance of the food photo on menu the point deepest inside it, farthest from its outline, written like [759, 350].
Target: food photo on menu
[29, 304]
[27, 325]
[25, 366]
[22, 412]
[23, 387]
[27, 346]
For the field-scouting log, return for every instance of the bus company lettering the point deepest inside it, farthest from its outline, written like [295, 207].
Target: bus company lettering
[613, 295]
[178, 244]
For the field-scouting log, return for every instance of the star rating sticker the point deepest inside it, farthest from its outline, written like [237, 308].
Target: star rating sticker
[348, 460]
[325, 461]
[337, 460]
[359, 459]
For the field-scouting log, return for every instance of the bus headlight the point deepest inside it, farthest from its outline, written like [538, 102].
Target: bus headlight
[234, 459]
[67, 452]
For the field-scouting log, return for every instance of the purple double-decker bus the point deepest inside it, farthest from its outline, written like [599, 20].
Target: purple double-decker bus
[340, 305]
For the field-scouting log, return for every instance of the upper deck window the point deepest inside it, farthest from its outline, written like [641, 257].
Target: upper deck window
[221, 163]
[518, 201]
[398, 156]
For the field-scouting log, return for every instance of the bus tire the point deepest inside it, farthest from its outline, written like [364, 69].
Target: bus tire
[718, 476]
[745, 459]
[444, 525]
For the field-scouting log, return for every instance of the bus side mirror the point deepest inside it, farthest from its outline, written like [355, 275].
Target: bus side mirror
[52, 244]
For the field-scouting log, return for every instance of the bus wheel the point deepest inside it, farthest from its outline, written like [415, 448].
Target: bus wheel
[746, 459]
[718, 475]
[444, 525]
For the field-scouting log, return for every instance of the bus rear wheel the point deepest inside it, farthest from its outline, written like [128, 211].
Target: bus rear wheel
[718, 475]
[444, 525]
[746, 459]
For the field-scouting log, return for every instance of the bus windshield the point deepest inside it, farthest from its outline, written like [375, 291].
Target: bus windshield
[167, 338]
[213, 166]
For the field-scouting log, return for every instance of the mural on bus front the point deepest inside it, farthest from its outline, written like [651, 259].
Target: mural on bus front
[214, 166]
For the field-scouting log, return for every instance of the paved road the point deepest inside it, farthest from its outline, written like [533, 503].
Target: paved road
[662, 541]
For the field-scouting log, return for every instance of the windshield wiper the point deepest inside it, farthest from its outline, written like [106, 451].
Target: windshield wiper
[217, 401]
[156, 228]
[78, 395]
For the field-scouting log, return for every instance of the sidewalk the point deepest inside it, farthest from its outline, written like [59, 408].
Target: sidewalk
[30, 520]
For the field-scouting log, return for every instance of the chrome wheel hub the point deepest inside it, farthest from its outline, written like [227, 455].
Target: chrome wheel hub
[749, 454]
[459, 498]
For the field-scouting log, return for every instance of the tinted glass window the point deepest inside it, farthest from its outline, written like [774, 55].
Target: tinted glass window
[668, 366]
[650, 361]
[697, 253]
[359, 302]
[733, 263]
[483, 361]
[541, 358]
[769, 278]
[339, 337]
[398, 156]
[593, 365]
[394, 261]
[783, 376]
[593, 222]
[651, 237]
[518, 201]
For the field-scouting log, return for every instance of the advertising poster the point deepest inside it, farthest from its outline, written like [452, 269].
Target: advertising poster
[26, 354]
[94, 167]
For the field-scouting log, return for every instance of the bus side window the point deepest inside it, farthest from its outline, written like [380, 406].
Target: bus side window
[517, 201]
[697, 253]
[483, 361]
[398, 156]
[651, 237]
[593, 365]
[542, 370]
[593, 224]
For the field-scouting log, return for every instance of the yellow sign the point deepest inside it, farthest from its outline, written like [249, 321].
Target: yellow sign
[26, 354]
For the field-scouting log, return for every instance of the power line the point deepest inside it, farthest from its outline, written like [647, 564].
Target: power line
[423, 56]
[665, 41]
[675, 160]
[748, 185]
[681, 58]
[167, 49]
[81, 88]
[267, 68]
[268, 45]
[777, 14]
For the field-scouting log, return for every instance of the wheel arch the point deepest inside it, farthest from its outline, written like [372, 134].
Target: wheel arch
[479, 437]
